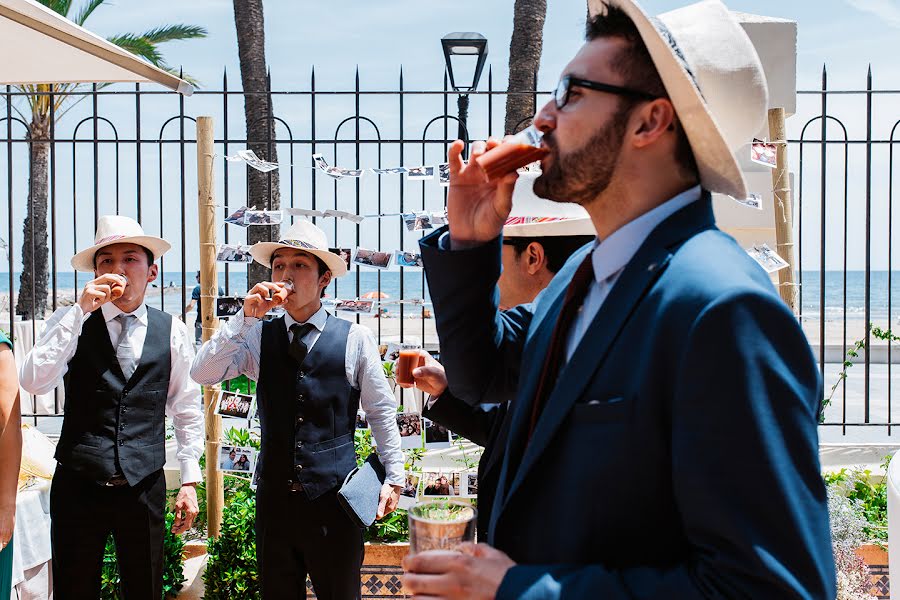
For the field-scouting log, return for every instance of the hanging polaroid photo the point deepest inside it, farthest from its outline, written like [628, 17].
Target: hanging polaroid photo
[234, 404]
[470, 484]
[355, 306]
[234, 253]
[410, 426]
[763, 153]
[237, 217]
[237, 459]
[417, 221]
[410, 491]
[439, 218]
[420, 173]
[228, 306]
[767, 258]
[444, 174]
[436, 435]
[351, 172]
[390, 171]
[303, 212]
[263, 217]
[439, 483]
[344, 253]
[372, 258]
[320, 162]
[408, 259]
[392, 352]
[361, 421]
[334, 172]
[254, 481]
[250, 157]
[753, 201]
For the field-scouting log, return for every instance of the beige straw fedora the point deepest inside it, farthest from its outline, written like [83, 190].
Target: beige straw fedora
[302, 235]
[116, 229]
[714, 79]
[533, 216]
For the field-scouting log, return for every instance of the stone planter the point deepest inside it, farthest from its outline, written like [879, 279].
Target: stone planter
[876, 558]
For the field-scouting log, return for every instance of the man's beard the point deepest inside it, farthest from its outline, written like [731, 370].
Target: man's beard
[584, 174]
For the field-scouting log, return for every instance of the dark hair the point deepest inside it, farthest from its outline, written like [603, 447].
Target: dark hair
[557, 248]
[149, 254]
[320, 266]
[636, 66]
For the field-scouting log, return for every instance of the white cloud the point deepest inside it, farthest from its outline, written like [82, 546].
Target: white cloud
[886, 10]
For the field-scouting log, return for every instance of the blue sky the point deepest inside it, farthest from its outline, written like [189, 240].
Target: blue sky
[381, 35]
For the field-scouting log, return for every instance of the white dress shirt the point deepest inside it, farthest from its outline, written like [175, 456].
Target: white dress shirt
[235, 348]
[48, 361]
[612, 255]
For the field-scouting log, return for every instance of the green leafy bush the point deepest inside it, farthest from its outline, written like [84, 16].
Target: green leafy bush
[857, 485]
[231, 568]
[173, 565]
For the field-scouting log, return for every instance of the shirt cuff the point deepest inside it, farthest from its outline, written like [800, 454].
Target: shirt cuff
[395, 475]
[431, 400]
[239, 324]
[445, 243]
[190, 471]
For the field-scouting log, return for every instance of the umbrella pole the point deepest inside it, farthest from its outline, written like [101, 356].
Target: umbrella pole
[206, 211]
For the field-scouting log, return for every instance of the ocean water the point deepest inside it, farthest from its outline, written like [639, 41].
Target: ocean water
[412, 285]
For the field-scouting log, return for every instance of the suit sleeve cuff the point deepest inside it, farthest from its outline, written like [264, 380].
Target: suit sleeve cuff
[190, 472]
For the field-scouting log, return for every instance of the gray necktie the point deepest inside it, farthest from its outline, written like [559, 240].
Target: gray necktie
[124, 349]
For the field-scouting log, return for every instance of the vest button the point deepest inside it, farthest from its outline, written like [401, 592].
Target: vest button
[301, 398]
[298, 468]
[125, 393]
[299, 444]
[299, 420]
[121, 442]
[301, 374]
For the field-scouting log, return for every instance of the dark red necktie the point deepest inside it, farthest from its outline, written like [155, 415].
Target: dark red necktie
[556, 351]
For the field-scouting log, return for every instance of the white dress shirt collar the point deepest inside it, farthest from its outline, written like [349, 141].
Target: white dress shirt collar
[317, 320]
[612, 254]
[111, 311]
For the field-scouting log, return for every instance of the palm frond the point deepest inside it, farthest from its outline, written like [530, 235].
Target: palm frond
[174, 33]
[60, 7]
[86, 10]
[140, 46]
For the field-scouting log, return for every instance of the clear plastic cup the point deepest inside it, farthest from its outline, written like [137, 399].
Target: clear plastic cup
[440, 525]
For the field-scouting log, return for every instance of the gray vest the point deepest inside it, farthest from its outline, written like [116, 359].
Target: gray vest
[307, 412]
[110, 422]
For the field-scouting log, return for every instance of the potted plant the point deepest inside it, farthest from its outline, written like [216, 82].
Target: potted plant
[388, 366]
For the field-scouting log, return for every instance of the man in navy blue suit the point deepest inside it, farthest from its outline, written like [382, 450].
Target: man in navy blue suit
[662, 438]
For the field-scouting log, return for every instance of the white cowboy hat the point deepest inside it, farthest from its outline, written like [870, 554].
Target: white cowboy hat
[533, 216]
[116, 229]
[714, 79]
[302, 235]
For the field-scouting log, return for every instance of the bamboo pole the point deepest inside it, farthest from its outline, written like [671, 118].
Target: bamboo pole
[206, 211]
[784, 219]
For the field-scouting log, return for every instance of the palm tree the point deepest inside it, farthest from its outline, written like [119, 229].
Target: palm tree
[39, 101]
[524, 60]
[263, 190]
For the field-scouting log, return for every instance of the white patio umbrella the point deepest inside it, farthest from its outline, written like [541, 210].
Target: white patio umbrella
[59, 51]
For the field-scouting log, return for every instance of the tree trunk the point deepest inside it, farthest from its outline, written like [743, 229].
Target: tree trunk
[35, 256]
[524, 60]
[263, 192]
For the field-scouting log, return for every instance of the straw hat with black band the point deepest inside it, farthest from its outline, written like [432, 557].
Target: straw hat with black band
[302, 235]
[713, 78]
[116, 229]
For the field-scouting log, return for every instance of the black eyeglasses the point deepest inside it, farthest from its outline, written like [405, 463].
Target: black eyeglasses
[561, 95]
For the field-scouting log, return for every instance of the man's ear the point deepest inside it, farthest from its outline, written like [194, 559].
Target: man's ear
[653, 120]
[153, 273]
[325, 280]
[535, 257]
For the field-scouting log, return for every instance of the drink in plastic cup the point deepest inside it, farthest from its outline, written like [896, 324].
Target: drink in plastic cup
[410, 358]
[523, 149]
[440, 525]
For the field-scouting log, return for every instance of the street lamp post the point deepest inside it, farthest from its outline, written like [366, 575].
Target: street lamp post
[465, 53]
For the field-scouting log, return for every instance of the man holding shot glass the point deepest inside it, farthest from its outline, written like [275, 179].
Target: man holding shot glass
[126, 366]
[313, 373]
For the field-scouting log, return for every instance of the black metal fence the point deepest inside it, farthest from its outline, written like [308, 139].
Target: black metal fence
[132, 151]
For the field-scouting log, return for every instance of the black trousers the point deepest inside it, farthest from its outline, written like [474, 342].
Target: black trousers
[83, 513]
[296, 536]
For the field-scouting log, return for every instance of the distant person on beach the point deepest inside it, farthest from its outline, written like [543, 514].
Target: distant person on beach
[313, 372]
[660, 357]
[122, 362]
[197, 301]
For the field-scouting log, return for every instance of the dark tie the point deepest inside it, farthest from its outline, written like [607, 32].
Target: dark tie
[298, 349]
[556, 351]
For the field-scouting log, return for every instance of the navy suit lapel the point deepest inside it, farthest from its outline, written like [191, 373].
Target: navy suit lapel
[633, 284]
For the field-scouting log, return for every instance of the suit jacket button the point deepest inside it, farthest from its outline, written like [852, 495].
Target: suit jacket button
[299, 444]
[299, 420]
[301, 398]
[299, 467]
[301, 374]
[121, 442]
